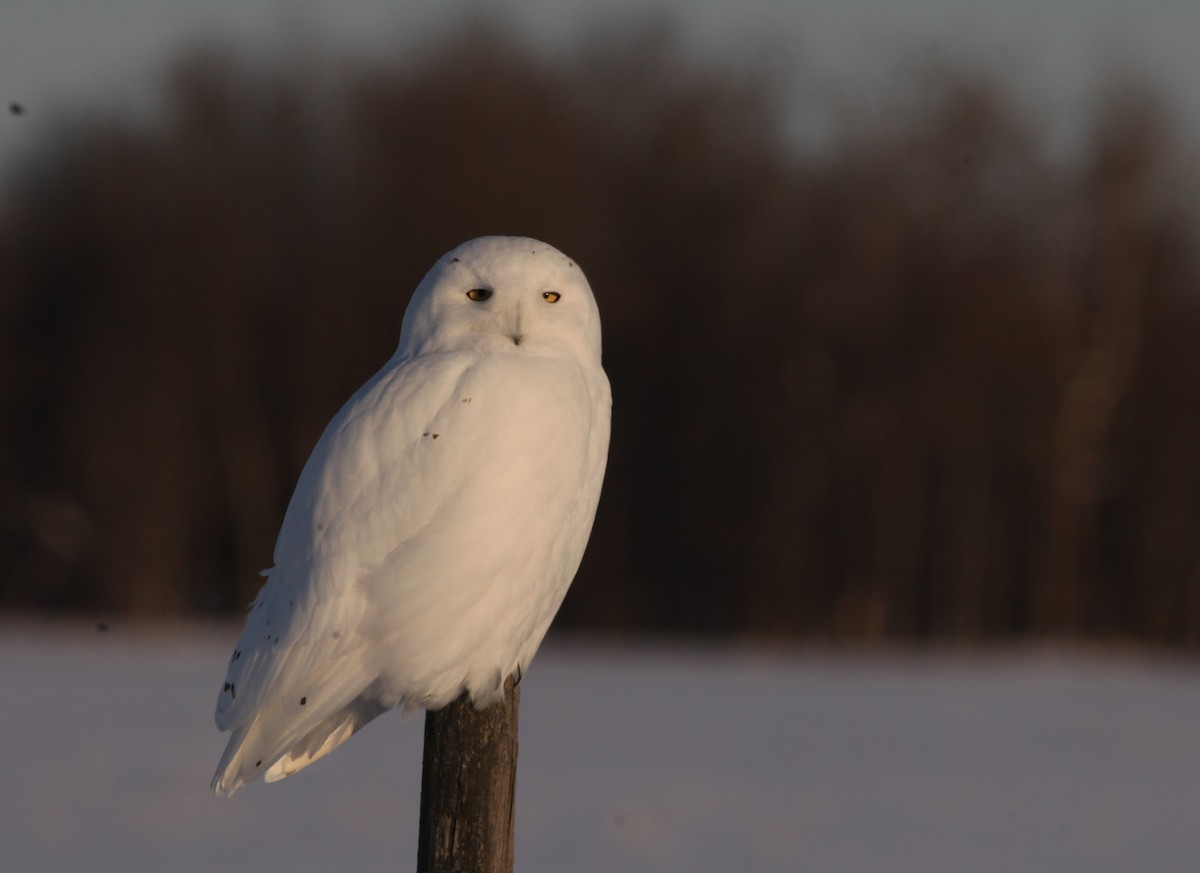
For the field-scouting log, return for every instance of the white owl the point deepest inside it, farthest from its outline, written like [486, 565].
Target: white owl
[442, 515]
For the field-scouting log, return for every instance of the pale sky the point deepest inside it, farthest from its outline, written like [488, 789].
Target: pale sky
[59, 54]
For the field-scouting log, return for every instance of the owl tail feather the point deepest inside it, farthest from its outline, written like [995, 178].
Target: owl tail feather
[298, 728]
[250, 754]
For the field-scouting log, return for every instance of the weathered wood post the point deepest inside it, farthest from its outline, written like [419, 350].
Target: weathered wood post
[468, 787]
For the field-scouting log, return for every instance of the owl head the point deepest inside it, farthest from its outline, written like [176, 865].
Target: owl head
[505, 294]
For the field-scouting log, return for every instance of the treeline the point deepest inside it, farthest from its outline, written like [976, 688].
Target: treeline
[926, 382]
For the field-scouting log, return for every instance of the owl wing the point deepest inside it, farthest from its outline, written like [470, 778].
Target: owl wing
[303, 657]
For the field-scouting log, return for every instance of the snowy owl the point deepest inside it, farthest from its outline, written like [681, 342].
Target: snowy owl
[440, 519]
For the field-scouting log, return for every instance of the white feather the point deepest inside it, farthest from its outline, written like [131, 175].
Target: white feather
[440, 519]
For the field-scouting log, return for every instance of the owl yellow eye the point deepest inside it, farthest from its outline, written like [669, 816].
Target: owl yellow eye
[551, 296]
[479, 294]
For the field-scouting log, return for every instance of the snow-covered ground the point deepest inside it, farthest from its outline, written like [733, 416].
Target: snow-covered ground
[633, 758]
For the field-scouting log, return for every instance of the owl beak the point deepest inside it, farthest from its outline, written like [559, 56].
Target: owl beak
[515, 330]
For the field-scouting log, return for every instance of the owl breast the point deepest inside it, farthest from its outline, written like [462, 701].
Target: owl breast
[512, 469]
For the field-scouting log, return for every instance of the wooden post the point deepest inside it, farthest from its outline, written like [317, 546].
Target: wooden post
[468, 787]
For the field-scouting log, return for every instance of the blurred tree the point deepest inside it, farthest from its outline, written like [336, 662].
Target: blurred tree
[925, 383]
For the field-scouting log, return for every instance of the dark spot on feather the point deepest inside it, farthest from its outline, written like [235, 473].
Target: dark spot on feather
[337, 635]
[227, 686]
[435, 436]
[321, 525]
[102, 627]
[15, 108]
[425, 434]
[454, 260]
[237, 653]
[258, 763]
[303, 700]
[233, 690]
